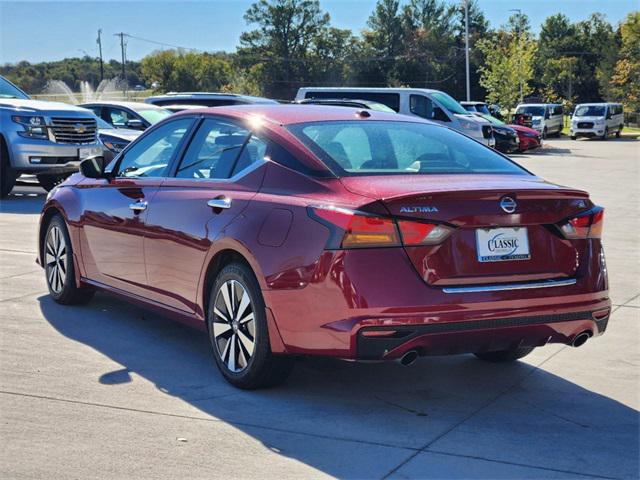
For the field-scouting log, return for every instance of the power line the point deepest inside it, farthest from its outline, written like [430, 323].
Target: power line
[162, 44]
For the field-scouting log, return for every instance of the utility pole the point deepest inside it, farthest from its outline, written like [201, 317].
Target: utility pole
[518, 25]
[466, 46]
[124, 60]
[99, 41]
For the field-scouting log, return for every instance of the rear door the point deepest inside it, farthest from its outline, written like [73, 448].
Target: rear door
[213, 183]
[115, 211]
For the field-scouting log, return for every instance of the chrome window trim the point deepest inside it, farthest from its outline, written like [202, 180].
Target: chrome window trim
[511, 286]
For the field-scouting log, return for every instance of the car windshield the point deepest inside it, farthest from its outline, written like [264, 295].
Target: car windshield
[356, 148]
[493, 120]
[533, 110]
[590, 111]
[449, 103]
[481, 107]
[102, 125]
[7, 90]
[154, 115]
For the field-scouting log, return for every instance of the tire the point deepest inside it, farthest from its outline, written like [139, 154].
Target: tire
[59, 270]
[503, 356]
[619, 132]
[605, 135]
[7, 174]
[48, 182]
[240, 338]
[573, 137]
[544, 133]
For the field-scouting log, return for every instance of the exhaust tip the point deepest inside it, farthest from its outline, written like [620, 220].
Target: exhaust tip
[580, 339]
[409, 357]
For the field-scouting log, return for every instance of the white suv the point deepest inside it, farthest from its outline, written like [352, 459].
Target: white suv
[547, 118]
[597, 120]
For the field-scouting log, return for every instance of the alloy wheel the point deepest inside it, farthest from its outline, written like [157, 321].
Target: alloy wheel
[56, 259]
[234, 328]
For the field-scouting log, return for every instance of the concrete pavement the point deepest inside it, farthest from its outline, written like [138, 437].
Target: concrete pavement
[109, 390]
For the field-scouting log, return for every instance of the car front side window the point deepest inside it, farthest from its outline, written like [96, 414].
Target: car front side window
[151, 155]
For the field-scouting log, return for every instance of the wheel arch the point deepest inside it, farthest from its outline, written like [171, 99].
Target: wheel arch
[224, 255]
[45, 219]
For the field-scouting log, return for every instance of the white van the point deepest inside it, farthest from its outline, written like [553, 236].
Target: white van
[547, 118]
[597, 120]
[430, 104]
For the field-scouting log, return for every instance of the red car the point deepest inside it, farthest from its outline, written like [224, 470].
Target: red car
[308, 230]
[529, 138]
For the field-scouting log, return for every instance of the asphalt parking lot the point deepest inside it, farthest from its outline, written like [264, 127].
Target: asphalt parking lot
[109, 390]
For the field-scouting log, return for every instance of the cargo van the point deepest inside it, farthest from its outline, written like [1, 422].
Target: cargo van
[547, 118]
[430, 104]
[597, 120]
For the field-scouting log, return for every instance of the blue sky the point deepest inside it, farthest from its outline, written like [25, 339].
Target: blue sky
[51, 30]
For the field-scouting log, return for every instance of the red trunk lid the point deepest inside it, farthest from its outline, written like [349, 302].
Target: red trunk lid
[472, 202]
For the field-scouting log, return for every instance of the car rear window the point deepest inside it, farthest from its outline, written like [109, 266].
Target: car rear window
[360, 147]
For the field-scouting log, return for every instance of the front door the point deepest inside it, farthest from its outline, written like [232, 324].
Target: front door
[115, 211]
[216, 179]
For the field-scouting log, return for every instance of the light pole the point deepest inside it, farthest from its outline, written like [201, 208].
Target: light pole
[518, 40]
[466, 46]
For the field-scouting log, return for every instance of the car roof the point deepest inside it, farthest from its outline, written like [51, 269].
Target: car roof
[301, 113]
[537, 104]
[596, 104]
[369, 89]
[208, 95]
[131, 105]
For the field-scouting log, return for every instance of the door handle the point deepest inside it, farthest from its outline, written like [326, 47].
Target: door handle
[138, 207]
[221, 202]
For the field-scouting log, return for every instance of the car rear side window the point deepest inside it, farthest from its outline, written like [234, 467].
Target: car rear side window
[213, 151]
[402, 148]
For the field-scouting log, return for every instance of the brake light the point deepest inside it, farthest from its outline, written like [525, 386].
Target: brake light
[587, 225]
[417, 233]
[353, 229]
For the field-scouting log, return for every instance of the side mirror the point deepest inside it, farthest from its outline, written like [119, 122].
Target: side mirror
[547, 115]
[135, 124]
[609, 116]
[93, 167]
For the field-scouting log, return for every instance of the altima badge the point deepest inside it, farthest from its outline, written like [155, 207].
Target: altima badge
[418, 209]
[508, 204]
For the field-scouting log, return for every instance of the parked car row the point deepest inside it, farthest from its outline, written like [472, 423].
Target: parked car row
[50, 139]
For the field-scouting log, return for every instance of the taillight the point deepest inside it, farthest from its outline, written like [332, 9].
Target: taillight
[586, 225]
[417, 233]
[353, 229]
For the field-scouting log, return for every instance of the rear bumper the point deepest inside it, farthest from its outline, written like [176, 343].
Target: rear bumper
[354, 292]
[472, 336]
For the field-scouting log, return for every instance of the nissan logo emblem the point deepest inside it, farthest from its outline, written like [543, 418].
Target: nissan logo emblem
[508, 204]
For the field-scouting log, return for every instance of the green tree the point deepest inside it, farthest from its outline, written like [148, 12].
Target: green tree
[186, 71]
[508, 67]
[382, 44]
[478, 29]
[625, 86]
[283, 43]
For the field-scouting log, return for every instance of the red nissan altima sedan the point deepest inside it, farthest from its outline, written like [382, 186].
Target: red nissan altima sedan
[307, 230]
